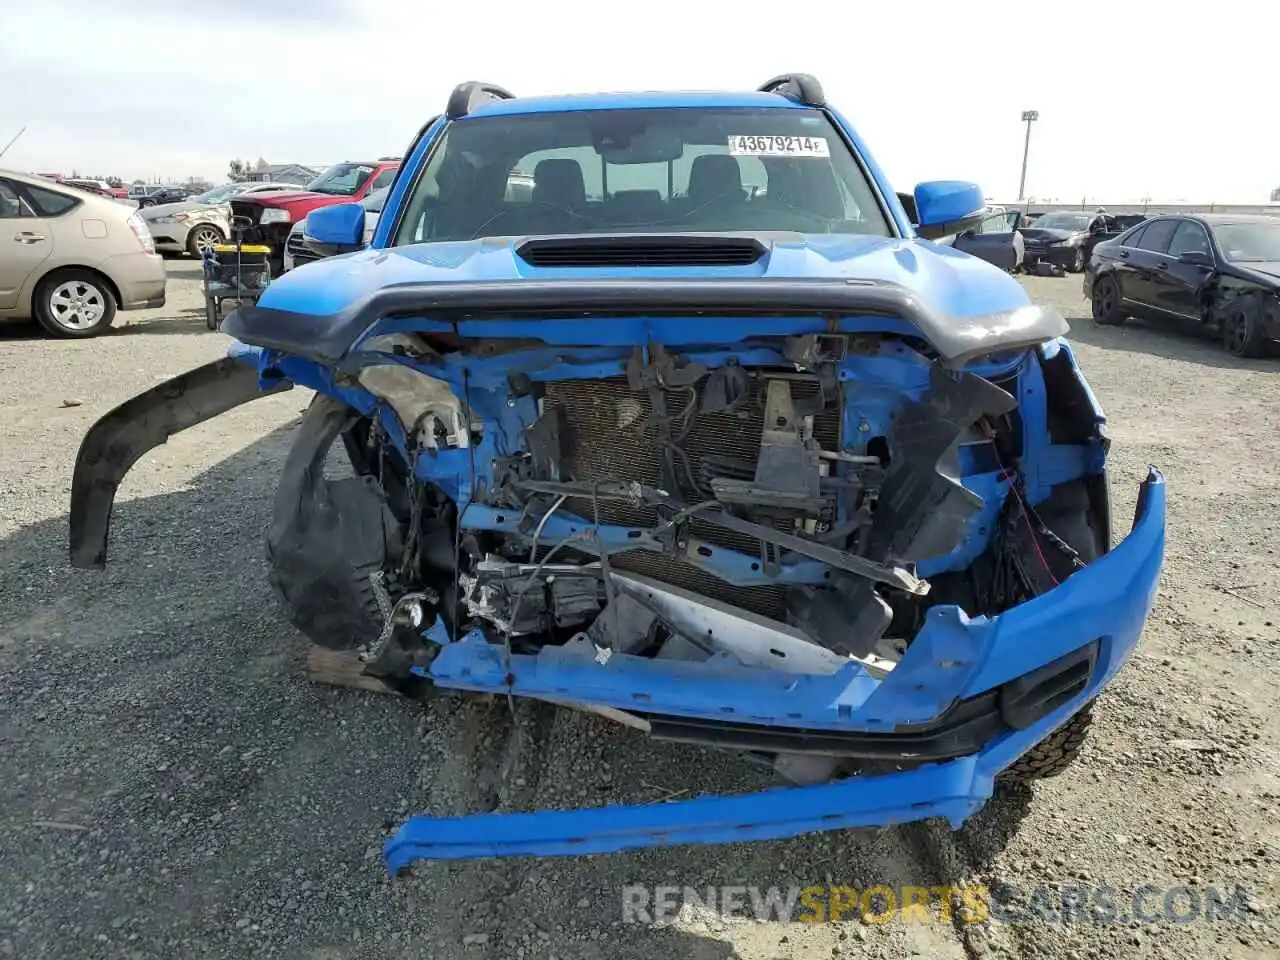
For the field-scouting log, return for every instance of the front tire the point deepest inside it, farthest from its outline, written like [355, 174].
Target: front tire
[203, 237]
[1243, 335]
[1077, 261]
[1107, 311]
[1055, 753]
[74, 304]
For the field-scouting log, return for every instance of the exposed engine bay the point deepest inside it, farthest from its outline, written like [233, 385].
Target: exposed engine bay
[700, 506]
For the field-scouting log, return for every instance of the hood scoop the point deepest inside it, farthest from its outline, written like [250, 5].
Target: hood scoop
[642, 250]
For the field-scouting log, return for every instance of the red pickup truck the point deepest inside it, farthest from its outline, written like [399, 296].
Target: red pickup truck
[273, 215]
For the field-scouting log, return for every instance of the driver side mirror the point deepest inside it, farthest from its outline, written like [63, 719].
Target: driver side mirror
[944, 207]
[1196, 257]
[341, 225]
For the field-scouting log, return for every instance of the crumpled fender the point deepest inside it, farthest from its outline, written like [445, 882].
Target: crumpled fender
[116, 442]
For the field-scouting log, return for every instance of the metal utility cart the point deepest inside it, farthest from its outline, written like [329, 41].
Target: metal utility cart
[233, 271]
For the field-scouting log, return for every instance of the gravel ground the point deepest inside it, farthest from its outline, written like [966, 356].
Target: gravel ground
[171, 785]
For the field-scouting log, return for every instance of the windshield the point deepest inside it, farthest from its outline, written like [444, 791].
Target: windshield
[1064, 221]
[1249, 242]
[374, 201]
[653, 170]
[342, 179]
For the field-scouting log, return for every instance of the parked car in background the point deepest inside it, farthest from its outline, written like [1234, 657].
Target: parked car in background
[71, 259]
[1218, 270]
[201, 221]
[300, 249]
[140, 191]
[1065, 238]
[96, 185]
[996, 239]
[1126, 220]
[273, 217]
[165, 195]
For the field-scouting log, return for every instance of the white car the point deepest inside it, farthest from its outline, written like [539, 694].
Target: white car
[198, 223]
[300, 249]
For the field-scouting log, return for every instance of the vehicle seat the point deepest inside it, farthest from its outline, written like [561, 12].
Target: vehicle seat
[559, 197]
[636, 208]
[802, 194]
[715, 179]
[469, 197]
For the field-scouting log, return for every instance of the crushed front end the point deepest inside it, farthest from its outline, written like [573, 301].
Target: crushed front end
[875, 561]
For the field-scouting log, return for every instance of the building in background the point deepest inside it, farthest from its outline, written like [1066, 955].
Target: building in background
[282, 173]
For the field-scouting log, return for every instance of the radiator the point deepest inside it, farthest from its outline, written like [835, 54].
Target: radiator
[610, 435]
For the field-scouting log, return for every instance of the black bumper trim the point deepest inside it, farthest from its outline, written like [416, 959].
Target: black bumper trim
[963, 729]
[1033, 695]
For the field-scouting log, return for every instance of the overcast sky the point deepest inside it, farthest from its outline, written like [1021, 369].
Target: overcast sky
[1136, 99]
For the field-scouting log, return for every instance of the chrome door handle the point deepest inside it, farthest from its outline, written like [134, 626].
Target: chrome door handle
[28, 237]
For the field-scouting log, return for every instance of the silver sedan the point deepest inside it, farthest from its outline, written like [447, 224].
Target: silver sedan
[196, 225]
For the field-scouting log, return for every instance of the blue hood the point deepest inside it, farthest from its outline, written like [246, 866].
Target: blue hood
[946, 280]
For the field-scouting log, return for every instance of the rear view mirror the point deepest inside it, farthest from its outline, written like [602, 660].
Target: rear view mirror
[945, 207]
[341, 225]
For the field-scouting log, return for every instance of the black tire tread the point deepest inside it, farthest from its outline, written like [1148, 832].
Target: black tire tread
[1255, 345]
[1055, 753]
[1115, 317]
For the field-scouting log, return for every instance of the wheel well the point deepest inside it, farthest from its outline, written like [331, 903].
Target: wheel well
[208, 223]
[66, 267]
[1211, 306]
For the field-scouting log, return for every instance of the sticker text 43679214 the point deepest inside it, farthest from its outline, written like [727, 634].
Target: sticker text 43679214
[768, 145]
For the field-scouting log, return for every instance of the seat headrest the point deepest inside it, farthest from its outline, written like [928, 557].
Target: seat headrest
[559, 181]
[715, 176]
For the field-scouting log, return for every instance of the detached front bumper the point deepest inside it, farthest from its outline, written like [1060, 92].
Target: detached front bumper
[1059, 254]
[1100, 610]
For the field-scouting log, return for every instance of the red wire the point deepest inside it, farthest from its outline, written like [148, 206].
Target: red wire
[1009, 476]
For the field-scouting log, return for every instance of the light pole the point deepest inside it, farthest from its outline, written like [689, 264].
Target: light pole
[1028, 117]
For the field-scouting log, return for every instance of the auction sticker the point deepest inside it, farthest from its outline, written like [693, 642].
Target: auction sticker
[778, 146]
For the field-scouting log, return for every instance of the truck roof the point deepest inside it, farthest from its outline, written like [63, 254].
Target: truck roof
[633, 101]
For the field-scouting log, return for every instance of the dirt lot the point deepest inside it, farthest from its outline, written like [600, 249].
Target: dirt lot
[170, 785]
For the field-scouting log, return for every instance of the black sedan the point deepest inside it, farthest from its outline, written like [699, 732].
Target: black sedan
[165, 195]
[1065, 238]
[1218, 270]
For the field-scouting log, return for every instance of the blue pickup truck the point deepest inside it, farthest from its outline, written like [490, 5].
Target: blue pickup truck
[703, 434]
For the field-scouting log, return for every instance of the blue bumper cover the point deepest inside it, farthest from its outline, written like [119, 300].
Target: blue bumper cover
[952, 657]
